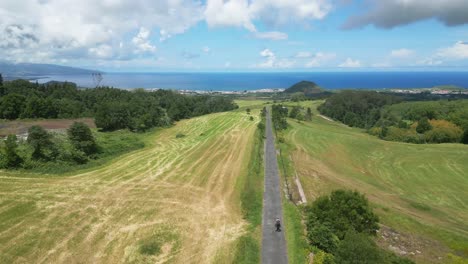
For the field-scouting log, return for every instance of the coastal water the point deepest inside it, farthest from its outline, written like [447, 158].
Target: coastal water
[254, 81]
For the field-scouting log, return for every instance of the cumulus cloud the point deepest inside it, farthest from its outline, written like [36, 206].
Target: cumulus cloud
[228, 13]
[458, 51]
[271, 61]
[350, 63]
[242, 13]
[401, 53]
[206, 49]
[271, 35]
[392, 13]
[76, 29]
[142, 43]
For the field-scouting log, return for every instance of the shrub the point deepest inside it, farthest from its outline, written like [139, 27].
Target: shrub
[343, 210]
[322, 237]
[12, 159]
[151, 247]
[180, 135]
[423, 125]
[82, 138]
[357, 248]
[40, 140]
[443, 132]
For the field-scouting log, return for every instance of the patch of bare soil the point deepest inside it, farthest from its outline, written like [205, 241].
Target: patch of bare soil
[20, 127]
[412, 246]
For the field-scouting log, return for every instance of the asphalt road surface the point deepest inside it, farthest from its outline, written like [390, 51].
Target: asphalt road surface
[273, 243]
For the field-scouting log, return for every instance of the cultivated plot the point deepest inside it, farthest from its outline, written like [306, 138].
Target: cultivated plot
[174, 201]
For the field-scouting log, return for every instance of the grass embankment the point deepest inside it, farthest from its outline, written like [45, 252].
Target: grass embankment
[417, 190]
[175, 200]
[248, 247]
[294, 229]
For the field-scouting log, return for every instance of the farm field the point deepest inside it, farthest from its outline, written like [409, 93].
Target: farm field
[175, 201]
[22, 126]
[419, 191]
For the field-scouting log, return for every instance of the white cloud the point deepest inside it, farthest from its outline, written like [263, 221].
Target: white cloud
[430, 62]
[392, 13]
[228, 13]
[271, 61]
[350, 63]
[102, 51]
[76, 29]
[319, 59]
[242, 13]
[206, 49]
[271, 35]
[267, 53]
[459, 51]
[142, 43]
[401, 53]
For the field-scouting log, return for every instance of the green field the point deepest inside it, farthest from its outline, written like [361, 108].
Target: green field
[419, 191]
[178, 200]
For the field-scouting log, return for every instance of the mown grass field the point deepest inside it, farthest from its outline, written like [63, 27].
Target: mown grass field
[175, 201]
[420, 191]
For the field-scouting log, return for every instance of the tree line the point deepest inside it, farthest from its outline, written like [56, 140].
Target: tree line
[388, 117]
[112, 109]
[41, 147]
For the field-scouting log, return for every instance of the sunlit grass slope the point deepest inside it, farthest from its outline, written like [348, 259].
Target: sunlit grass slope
[175, 201]
[419, 189]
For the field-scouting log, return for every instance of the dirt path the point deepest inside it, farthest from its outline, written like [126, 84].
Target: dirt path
[273, 243]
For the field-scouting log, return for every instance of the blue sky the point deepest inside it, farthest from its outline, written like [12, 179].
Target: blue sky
[237, 35]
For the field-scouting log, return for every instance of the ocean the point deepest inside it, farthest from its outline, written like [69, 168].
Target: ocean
[255, 81]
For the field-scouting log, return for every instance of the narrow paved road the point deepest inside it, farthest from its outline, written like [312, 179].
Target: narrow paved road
[273, 243]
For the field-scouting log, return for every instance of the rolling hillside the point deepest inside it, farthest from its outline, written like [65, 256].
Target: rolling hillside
[175, 201]
[419, 191]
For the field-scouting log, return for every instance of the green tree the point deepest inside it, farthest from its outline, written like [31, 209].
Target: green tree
[322, 237]
[82, 138]
[295, 111]
[298, 96]
[40, 140]
[113, 116]
[423, 125]
[464, 139]
[11, 106]
[2, 89]
[13, 160]
[248, 111]
[357, 248]
[344, 210]
[308, 115]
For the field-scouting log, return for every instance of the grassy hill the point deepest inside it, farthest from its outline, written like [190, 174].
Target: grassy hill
[305, 87]
[419, 191]
[309, 89]
[178, 200]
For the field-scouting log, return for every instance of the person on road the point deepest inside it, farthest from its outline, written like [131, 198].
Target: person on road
[278, 225]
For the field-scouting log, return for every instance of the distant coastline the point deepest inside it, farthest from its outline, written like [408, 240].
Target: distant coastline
[237, 82]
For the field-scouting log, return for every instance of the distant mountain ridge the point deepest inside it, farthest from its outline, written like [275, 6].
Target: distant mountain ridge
[31, 70]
